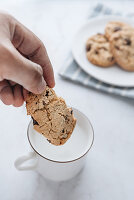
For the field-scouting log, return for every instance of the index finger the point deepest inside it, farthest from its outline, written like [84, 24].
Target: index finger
[32, 48]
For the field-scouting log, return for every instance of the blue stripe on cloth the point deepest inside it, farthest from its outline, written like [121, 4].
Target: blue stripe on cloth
[71, 69]
[81, 76]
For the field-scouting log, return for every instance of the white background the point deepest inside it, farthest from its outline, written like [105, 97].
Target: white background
[109, 173]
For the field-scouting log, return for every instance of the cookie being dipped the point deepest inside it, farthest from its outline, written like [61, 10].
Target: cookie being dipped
[51, 116]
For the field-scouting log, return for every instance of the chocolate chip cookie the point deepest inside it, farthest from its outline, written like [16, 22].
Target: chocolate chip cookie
[98, 51]
[114, 27]
[51, 116]
[122, 46]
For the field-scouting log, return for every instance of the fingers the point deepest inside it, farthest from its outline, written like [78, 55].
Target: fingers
[24, 72]
[25, 92]
[18, 97]
[11, 95]
[30, 46]
[40, 56]
[6, 94]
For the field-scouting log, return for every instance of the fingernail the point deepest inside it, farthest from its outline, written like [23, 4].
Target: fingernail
[42, 86]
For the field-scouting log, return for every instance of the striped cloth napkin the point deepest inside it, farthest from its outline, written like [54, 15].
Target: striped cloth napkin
[73, 72]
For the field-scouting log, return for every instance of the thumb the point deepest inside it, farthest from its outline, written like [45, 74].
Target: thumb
[24, 72]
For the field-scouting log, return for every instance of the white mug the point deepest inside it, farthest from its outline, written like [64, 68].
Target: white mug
[58, 163]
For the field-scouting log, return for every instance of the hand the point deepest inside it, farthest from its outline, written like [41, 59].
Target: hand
[24, 63]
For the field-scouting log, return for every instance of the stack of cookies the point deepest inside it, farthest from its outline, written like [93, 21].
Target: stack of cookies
[115, 46]
[51, 116]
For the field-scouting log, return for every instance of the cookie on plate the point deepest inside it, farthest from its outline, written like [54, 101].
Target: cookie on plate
[114, 27]
[51, 116]
[98, 51]
[122, 46]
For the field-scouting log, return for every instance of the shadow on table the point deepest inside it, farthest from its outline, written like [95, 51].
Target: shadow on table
[66, 190]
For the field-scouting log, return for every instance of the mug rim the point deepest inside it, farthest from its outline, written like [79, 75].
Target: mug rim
[55, 161]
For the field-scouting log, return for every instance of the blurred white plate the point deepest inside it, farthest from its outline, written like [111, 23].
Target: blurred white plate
[112, 75]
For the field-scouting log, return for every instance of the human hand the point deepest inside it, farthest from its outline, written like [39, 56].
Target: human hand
[24, 63]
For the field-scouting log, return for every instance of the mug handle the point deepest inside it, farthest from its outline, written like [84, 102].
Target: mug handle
[19, 162]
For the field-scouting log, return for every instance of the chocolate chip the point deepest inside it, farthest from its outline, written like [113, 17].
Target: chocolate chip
[35, 122]
[43, 102]
[96, 52]
[47, 92]
[116, 47]
[65, 117]
[36, 103]
[111, 58]
[127, 41]
[71, 112]
[117, 28]
[63, 131]
[49, 141]
[88, 47]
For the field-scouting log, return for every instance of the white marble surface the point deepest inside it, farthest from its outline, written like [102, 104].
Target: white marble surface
[109, 173]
